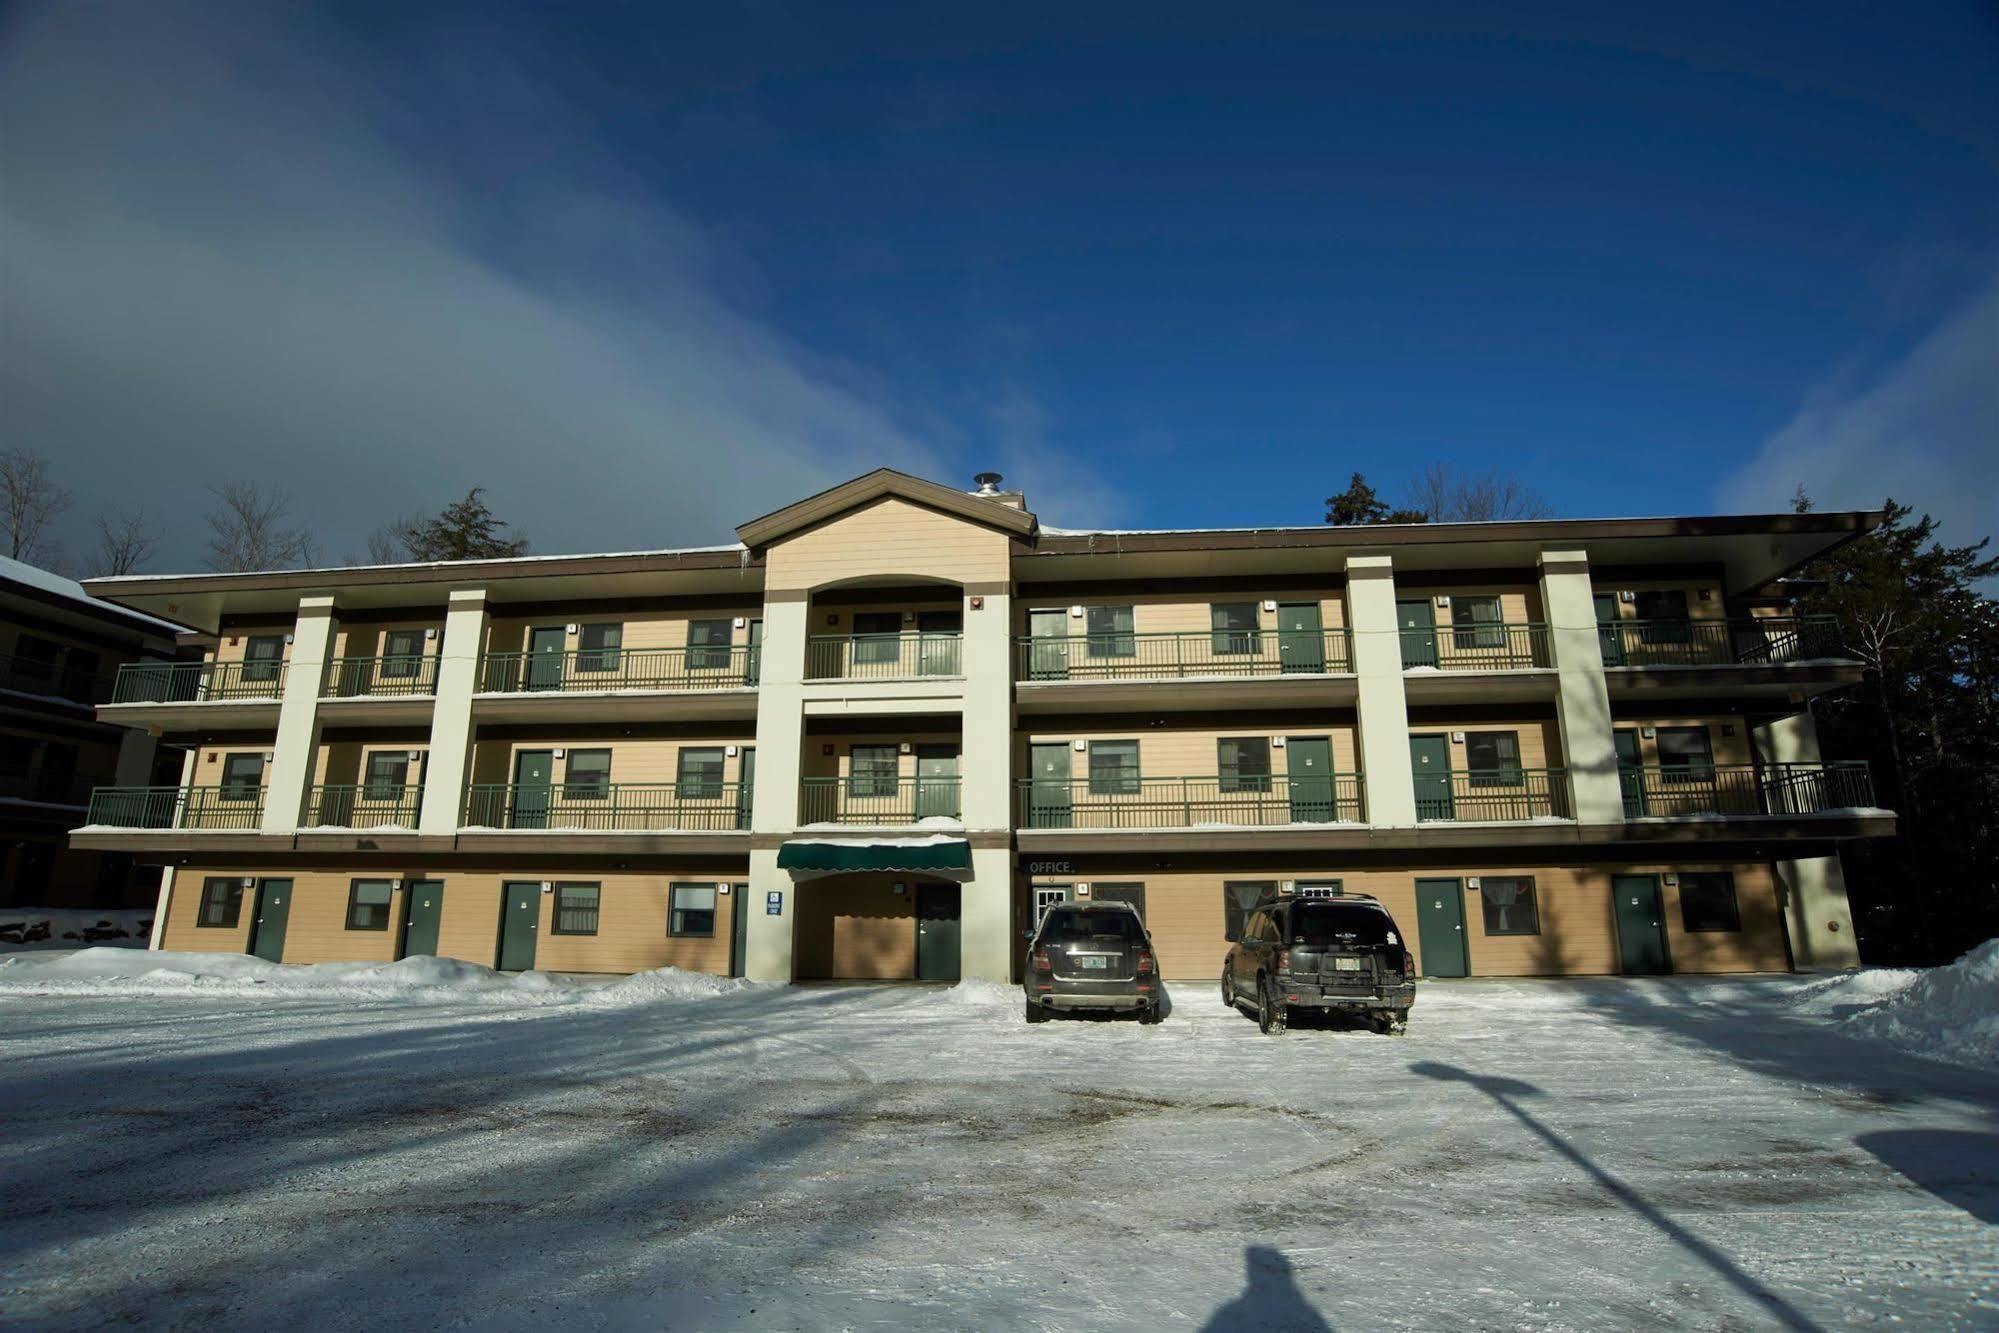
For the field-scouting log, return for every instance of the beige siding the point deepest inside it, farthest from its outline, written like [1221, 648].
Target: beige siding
[856, 926]
[370, 640]
[632, 761]
[183, 934]
[233, 643]
[339, 762]
[887, 538]
[1540, 742]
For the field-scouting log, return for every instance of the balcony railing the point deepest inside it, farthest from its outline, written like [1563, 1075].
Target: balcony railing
[1655, 791]
[1244, 800]
[722, 667]
[31, 675]
[239, 807]
[884, 656]
[363, 805]
[197, 682]
[1485, 646]
[1165, 656]
[1649, 643]
[1495, 794]
[868, 799]
[620, 807]
[392, 674]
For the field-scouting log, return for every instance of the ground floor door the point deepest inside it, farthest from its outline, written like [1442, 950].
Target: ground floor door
[739, 929]
[938, 908]
[1310, 780]
[1641, 925]
[1440, 922]
[267, 927]
[1430, 766]
[520, 904]
[423, 911]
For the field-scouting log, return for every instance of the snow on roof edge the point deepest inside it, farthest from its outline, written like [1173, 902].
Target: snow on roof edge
[31, 576]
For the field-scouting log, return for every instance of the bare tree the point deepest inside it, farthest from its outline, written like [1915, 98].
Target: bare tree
[29, 501]
[251, 528]
[1448, 496]
[125, 542]
[389, 544]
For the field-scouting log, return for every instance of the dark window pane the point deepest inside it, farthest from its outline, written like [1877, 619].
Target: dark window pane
[1707, 901]
[1492, 759]
[1114, 767]
[1509, 905]
[700, 774]
[1664, 614]
[1110, 632]
[597, 647]
[587, 775]
[877, 637]
[872, 770]
[1684, 755]
[387, 775]
[262, 655]
[1475, 622]
[242, 777]
[221, 902]
[575, 909]
[1242, 897]
[1244, 762]
[708, 644]
[368, 904]
[402, 654]
[693, 910]
[1234, 627]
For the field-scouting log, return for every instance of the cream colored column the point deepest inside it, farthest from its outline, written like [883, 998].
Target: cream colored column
[1582, 701]
[451, 732]
[985, 939]
[1383, 710]
[1816, 912]
[767, 938]
[166, 899]
[298, 716]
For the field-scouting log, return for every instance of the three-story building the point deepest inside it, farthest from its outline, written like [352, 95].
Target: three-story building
[898, 720]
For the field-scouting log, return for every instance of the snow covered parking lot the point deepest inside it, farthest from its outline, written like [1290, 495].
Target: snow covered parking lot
[386, 1147]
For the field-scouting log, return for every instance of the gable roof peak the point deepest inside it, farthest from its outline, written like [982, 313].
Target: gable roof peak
[881, 483]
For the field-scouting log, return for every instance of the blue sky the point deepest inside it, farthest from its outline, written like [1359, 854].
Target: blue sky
[646, 271]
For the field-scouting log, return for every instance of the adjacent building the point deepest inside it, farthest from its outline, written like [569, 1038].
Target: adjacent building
[59, 650]
[898, 720]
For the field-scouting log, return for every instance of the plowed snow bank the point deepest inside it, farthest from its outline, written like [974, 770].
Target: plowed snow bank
[1947, 1013]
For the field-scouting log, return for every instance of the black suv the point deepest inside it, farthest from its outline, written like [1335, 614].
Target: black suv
[1091, 956]
[1339, 954]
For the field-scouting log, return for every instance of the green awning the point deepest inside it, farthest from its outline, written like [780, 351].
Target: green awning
[831, 855]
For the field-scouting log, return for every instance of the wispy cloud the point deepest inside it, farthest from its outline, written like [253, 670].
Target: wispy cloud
[1924, 430]
[234, 244]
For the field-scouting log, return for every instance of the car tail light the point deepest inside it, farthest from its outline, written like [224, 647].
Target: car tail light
[1408, 963]
[1145, 962]
[1041, 963]
[1283, 960]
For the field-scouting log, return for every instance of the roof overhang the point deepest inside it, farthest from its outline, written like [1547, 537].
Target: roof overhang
[761, 532]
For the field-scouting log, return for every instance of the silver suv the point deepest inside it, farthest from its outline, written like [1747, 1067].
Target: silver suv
[1091, 956]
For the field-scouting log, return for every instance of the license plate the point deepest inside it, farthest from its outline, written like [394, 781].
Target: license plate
[1346, 965]
[1097, 961]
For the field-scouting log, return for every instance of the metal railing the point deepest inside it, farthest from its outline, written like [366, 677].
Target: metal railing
[1656, 791]
[197, 682]
[1485, 646]
[240, 807]
[623, 807]
[1495, 794]
[363, 805]
[724, 666]
[869, 799]
[1245, 800]
[1646, 643]
[1127, 656]
[884, 656]
[387, 674]
[31, 675]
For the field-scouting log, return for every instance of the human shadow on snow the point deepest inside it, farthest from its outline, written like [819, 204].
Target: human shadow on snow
[1270, 1298]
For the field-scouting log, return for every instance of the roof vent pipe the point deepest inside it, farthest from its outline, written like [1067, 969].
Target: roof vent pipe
[988, 483]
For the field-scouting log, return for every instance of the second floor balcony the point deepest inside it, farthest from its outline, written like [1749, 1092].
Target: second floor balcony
[363, 805]
[1126, 655]
[1748, 641]
[1494, 794]
[897, 656]
[198, 682]
[1128, 801]
[880, 799]
[699, 667]
[1655, 791]
[232, 808]
[378, 676]
[609, 807]
[1485, 645]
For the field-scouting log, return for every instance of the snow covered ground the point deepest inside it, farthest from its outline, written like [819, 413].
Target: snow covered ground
[227, 1142]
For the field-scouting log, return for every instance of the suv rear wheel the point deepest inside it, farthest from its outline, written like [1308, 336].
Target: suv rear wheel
[1229, 1000]
[1270, 1013]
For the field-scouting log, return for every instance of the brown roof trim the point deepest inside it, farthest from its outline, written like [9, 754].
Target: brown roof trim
[452, 571]
[761, 531]
[1845, 525]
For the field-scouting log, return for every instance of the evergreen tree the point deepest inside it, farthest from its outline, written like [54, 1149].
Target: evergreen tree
[1358, 503]
[465, 530]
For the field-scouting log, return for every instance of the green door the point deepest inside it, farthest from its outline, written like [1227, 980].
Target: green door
[1430, 767]
[423, 912]
[1630, 772]
[545, 648]
[937, 932]
[1418, 620]
[1606, 628]
[1641, 925]
[1048, 794]
[267, 928]
[1311, 779]
[746, 787]
[520, 903]
[1048, 645]
[534, 776]
[1440, 924]
[1301, 639]
[753, 664]
[937, 781]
